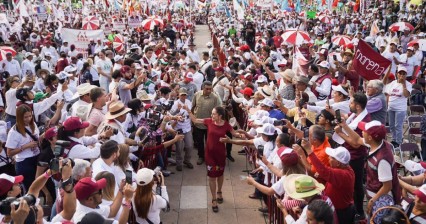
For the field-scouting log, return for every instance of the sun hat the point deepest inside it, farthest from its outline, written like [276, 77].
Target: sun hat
[300, 186]
[421, 193]
[38, 96]
[288, 74]
[302, 79]
[7, 182]
[142, 95]
[349, 51]
[116, 109]
[266, 92]
[374, 128]
[267, 129]
[144, 176]
[74, 123]
[87, 186]
[183, 91]
[84, 89]
[339, 88]
[340, 154]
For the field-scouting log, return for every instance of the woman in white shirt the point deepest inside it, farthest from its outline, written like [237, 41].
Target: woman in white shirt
[397, 91]
[104, 66]
[146, 203]
[110, 190]
[22, 142]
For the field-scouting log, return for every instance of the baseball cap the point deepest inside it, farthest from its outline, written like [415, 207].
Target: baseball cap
[94, 217]
[289, 159]
[28, 54]
[51, 132]
[267, 129]
[63, 75]
[87, 186]
[7, 182]
[183, 91]
[74, 123]
[340, 154]
[248, 77]
[264, 120]
[144, 176]
[374, 128]
[410, 48]
[261, 79]
[339, 88]
[259, 114]
[134, 46]
[421, 193]
[267, 102]
[117, 58]
[412, 166]
[189, 76]
[369, 39]
[124, 69]
[401, 68]
[48, 54]
[220, 69]
[247, 91]
[324, 64]
[70, 69]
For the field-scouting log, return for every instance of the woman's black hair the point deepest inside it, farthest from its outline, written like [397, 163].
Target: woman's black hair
[394, 216]
[45, 144]
[222, 112]
[48, 80]
[321, 211]
[64, 135]
[116, 74]
[135, 105]
[284, 139]
[271, 138]
[85, 66]
[327, 115]
[165, 90]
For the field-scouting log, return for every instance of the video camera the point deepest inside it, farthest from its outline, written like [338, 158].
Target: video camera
[58, 152]
[5, 204]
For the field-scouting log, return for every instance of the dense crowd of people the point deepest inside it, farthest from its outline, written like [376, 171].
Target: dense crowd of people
[94, 138]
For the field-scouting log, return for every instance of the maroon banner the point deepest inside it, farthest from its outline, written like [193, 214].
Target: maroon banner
[368, 63]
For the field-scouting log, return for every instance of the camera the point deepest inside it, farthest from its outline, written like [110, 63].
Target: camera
[5, 204]
[58, 151]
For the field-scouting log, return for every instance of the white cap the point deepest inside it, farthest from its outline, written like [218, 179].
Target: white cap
[144, 176]
[267, 129]
[48, 54]
[413, 166]
[264, 120]
[369, 40]
[339, 88]
[63, 75]
[70, 69]
[261, 79]
[324, 64]
[259, 114]
[410, 48]
[28, 54]
[267, 102]
[117, 57]
[134, 46]
[401, 68]
[340, 154]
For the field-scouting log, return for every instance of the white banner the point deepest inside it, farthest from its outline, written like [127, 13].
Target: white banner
[134, 21]
[81, 38]
[119, 25]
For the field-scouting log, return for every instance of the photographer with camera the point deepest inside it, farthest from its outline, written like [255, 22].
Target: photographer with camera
[72, 130]
[127, 84]
[148, 204]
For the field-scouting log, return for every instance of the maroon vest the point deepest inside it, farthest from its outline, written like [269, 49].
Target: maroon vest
[319, 81]
[373, 184]
[19, 103]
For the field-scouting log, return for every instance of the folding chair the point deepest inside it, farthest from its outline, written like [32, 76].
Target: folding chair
[417, 109]
[413, 133]
[412, 121]
[413, 148]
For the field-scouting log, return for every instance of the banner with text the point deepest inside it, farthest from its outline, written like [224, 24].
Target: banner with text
[368, 63]
[81, 38]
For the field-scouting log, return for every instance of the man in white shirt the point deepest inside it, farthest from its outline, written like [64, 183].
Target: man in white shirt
[81, 108]
[197, 77]
[109, 153]
[53, 53]
[11, 65]
[381, 39]
[392, 55]
[409, 61]
[28, 66]
[219, 84]
[183, 127]
[65, 48]
[47, 64]
[192, 53]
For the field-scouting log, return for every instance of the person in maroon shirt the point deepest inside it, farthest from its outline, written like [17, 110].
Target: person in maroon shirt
[340, 179]
[358, 152]
[62, 63]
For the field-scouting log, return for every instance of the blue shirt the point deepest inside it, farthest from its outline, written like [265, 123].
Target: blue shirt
[277, 114]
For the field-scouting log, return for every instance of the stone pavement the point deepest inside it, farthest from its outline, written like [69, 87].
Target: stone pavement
[190, 198]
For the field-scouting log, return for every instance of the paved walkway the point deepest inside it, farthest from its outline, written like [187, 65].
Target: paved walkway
[190, 198]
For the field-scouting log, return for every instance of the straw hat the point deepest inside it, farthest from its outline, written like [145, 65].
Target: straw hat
[300, 186]
[288, 74]
[143, 96]
[116, 109]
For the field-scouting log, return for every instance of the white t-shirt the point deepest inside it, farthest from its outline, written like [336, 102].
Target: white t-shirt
[388, 55]
[278, 187]
[82, 210]
[104, 65]
[410, 62]
[16, 140]
[397, 101]
[198, 80]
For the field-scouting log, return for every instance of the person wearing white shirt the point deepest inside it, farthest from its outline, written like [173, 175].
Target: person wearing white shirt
[409, 61]
[392, 55]
[53, 53]
[104, 66]
[65, 48]
[11, 65]
[197, 77]
[183, 126]
[99, 46]
[47, 63]
[340, 101]
[28, 66]
[219, 84]
[192, 53]
[381, 39]
[109, 153]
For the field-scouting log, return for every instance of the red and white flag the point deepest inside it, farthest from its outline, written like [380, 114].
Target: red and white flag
[300, 63]
[368, 63]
